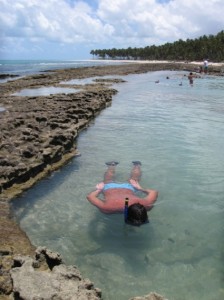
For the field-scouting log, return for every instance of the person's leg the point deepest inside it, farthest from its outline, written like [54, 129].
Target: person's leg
[109, 175]
[136, 171]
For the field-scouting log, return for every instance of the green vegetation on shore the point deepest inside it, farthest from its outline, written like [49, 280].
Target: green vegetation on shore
[211, 47]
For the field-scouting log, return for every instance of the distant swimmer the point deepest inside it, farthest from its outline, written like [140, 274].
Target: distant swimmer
[121, 197]
[157, 81]
[190, 78]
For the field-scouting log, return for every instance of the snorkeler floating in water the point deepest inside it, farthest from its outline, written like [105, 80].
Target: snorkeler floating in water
[115, 194]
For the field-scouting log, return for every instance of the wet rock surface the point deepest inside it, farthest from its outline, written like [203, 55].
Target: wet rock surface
[38, 135]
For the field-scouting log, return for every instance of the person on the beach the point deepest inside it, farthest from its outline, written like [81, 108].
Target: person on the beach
[115, 195]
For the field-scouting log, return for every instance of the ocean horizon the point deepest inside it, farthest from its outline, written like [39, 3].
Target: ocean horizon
[29, 67]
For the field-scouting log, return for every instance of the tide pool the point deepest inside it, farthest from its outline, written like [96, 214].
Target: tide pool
[45, 91]
[176, 131]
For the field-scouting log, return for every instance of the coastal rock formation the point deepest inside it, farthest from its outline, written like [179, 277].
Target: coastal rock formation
[46, 277]
[4, 76]
[37, 136]
[37, 132]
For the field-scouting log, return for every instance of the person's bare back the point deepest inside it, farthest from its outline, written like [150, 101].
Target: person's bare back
[115, 193]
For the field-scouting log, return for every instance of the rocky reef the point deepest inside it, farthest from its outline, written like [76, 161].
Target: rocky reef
[37, 136]
[37, 132]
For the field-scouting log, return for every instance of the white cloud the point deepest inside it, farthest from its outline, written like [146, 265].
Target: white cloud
[99, 24]
[53, 19]
[168, 21]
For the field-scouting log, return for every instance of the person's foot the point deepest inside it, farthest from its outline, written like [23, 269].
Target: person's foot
[136, 163]
[112, 163]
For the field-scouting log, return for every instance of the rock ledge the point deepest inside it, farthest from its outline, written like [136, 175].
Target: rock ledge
[46, 277]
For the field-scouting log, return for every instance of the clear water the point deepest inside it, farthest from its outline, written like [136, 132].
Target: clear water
[177, 133]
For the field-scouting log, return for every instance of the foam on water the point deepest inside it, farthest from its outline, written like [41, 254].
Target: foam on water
[176, 131]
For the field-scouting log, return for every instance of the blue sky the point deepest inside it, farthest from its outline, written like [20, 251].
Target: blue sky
[70, 29]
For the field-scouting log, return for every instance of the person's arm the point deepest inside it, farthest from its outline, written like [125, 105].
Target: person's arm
[151, 197]
[92, 198]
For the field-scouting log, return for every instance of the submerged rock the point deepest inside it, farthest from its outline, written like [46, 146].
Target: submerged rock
[151, 296]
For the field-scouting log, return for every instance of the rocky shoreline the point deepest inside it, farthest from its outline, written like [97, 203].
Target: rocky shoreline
[38, 135]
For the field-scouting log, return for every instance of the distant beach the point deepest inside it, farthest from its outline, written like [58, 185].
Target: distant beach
[160, 62]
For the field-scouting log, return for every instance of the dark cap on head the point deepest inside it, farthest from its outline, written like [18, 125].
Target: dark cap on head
[137, 215]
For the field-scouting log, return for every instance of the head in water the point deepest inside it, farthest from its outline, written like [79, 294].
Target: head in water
[137, 215]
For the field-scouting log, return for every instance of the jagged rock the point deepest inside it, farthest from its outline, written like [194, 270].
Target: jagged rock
[46, 277]
[3, 76]
[39, 123]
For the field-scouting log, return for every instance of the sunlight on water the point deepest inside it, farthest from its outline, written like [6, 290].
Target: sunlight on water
[176, 131]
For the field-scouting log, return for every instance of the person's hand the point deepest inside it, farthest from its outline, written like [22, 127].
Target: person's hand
[135, 184]
[100, 186]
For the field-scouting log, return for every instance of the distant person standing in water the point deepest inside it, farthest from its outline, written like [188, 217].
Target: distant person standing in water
[205, 66]
[190, 78]
[115, 195]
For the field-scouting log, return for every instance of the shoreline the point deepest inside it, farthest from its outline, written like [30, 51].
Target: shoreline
[216, 64]
[41, 132]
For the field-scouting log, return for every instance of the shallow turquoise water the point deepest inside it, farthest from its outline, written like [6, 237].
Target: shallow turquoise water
[177, 133]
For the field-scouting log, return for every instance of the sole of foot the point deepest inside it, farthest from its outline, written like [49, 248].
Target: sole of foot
[112, 163]
[137, 163]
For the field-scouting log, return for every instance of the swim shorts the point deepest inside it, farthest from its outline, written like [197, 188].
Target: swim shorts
[114, 185]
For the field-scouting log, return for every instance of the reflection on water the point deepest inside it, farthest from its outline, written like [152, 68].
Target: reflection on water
[2, 109]
[45, 91]
[176, 132]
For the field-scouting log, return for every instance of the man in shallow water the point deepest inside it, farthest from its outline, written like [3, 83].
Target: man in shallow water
[116, 193]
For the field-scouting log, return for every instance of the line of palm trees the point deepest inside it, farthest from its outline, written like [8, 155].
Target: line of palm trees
[211, 47]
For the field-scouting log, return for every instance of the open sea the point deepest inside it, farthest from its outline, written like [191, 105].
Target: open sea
[29, 67]
[176, 131]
